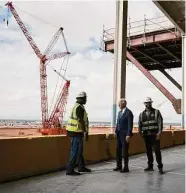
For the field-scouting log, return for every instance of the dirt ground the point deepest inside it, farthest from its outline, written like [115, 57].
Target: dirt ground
[26, 132]
[21, 132]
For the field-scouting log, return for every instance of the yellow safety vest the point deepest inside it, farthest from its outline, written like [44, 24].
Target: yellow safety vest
[73, 122]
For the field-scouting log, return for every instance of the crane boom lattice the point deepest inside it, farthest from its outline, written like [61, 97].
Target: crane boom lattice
[62, 100]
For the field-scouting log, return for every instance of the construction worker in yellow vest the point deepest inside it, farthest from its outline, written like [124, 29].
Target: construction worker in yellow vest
[77, 128]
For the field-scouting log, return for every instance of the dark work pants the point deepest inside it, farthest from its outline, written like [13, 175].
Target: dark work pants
[151, 142]
[122, 145]
[76, 154]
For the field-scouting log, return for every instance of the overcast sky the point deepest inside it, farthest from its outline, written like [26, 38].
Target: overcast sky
[89, 68]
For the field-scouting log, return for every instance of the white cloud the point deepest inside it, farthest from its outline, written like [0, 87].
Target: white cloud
[89, 68]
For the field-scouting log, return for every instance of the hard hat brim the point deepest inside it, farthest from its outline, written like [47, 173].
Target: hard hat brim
[148, 102]
[81, 97]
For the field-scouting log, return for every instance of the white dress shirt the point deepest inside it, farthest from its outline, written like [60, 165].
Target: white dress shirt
[123, 111]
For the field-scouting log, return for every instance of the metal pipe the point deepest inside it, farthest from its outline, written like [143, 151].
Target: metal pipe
[122, 50]
[115, 68]
[183, 82]
[119, 56]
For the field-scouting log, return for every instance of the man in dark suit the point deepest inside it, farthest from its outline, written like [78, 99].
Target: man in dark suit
[123, 132]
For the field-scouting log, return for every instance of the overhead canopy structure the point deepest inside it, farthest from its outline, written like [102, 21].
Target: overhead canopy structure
[152, 49]
[175, 11]
[162, 49]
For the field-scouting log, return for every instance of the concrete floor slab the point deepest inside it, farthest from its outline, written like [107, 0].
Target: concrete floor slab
[104, 180]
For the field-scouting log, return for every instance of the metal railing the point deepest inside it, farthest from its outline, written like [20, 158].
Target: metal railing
[140, 27]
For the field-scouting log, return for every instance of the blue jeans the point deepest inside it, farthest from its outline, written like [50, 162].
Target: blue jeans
[76, 154]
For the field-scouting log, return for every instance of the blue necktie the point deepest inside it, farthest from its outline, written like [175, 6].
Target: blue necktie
[120, 114]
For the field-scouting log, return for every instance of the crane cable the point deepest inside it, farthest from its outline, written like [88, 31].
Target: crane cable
[63, 78]
[61, 68]
[160, 104]
[46, 22]
[65, 69]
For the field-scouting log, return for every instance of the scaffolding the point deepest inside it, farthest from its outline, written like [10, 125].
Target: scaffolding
[141, 27]
[152, 44]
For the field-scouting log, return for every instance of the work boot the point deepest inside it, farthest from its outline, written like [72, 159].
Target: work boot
[73, 173]
[117, 169]
[125, 170]
[84, 170]
[161, 171]
[148, 169]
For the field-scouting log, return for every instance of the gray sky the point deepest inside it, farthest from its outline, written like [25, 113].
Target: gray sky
[89, 68]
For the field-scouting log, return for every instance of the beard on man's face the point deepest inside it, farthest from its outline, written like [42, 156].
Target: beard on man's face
[148, 105]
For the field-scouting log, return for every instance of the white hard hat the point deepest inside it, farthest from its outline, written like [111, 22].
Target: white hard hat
[148, 100]
[81, 95]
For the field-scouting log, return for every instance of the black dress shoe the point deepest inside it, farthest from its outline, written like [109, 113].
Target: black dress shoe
[148, 169]
[84, 170]
[73, 173]
[124, 170]
[117, 169]
[161, 171]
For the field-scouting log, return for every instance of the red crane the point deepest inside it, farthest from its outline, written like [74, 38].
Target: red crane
[47, 121]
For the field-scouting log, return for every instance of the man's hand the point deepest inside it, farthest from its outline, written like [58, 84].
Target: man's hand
[158, 136]
[86, 136]
[127, 139]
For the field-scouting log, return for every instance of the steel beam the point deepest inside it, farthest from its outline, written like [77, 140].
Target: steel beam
[183, 82]
[175, 102]
[158, 67]
[152, 59]
[149, 49]
[119, 56]
[160, 55]
[163, 48]
[150, 39]
[171, 79]
[175, 12]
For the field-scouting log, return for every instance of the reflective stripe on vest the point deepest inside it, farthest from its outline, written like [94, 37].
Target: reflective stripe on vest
[149, 128]
[151, 124]
[73, 123]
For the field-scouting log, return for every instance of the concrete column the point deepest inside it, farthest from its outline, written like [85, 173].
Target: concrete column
[183, 82]
[119, 56]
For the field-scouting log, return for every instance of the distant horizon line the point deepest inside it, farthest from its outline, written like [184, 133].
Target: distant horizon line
[11, 119]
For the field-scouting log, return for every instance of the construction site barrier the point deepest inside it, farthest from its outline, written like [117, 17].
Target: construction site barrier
[24, 157]
[95, 149]
[63, 149]
[111, 144]
[136, 144]
[179, 137]
[166, 139]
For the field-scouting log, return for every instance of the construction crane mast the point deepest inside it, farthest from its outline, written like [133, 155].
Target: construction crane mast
[45, 58]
